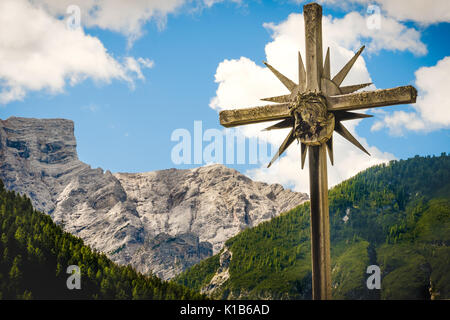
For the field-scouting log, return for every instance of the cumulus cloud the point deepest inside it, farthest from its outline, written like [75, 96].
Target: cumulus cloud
[353, 30]
[135, 65]
[392, 35]
[432, 106]
[423, 12]
[210, 3]
[288, 38]
[434, 102]
[242, 82]
[39, 52]
[125, 17]
[397, 121]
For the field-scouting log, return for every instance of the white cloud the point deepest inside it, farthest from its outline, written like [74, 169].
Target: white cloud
[398, 121]
[135, 65]
[434, 101]
[38, 52]
[210, 3]
[432, 106]
[424, 12]
[125, 17]
[392, 35]
[241, 83]
[343, 35]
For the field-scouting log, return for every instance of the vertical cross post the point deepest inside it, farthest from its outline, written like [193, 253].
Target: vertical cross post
[303, 110]
[313, 45]
[320, 224]
[318, 180]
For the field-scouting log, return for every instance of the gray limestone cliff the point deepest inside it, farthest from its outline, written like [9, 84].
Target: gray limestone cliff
[162, 221]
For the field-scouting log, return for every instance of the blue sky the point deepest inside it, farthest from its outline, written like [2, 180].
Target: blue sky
[126, 125]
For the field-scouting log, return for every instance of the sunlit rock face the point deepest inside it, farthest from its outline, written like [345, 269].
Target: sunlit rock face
[163, 221]
[38, 158]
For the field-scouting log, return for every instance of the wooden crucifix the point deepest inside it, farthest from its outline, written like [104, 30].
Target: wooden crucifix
[316, 107]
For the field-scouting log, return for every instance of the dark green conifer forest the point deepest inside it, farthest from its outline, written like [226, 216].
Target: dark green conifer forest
[395, 216]
[35, 254]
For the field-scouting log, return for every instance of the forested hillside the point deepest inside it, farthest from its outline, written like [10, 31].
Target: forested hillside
[35, 254]
[396, 216]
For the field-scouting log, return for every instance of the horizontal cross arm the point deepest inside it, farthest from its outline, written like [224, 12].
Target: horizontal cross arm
[372, 99]
[233, 118]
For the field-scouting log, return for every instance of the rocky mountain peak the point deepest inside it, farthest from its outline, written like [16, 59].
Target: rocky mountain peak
[161, 221]
[42, 141]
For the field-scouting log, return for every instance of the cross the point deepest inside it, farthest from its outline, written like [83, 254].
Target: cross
[314, 108]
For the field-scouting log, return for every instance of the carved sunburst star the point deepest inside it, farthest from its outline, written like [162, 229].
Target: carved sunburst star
[311, 122]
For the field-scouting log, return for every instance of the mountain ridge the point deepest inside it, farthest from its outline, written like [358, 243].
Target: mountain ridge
[122, 213]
